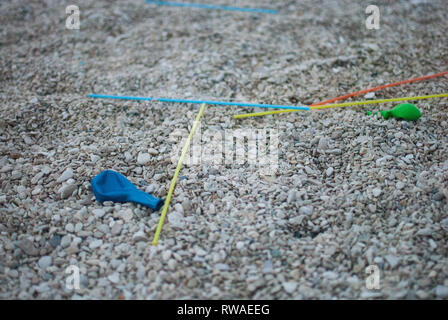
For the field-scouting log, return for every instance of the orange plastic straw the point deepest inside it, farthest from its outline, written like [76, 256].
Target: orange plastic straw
[354, 94]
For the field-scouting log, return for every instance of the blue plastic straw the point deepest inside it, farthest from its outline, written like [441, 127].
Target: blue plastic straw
[210, 6]
[220, 103]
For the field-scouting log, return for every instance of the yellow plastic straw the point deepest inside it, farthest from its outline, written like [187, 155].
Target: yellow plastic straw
[176, 173]
[357, 103]
[259, 114]
[347, 104]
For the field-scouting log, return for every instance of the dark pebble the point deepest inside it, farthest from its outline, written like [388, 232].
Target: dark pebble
[439, 196]
[275, 253]
[47, 276]
[55, 240]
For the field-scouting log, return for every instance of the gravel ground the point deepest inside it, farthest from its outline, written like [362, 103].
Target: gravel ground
[350, 191]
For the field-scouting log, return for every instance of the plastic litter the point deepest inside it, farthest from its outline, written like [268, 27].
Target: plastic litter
[113, 186]
[404, 111]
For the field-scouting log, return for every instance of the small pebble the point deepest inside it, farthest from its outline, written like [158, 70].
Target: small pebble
[45, 262]
[441, 292]
[73, 151]
[392, 260]
[127, 215]
[172, 263]
[67, 174]
[95, 244]
[306, 210]
[369, 95]
[139, 236]
[28, 247]
[114, 278]
[166, 255]
[201, 252]
[290, 286]
[292, 196]
[16, 174]
[221, 267]
[116, 228]
[143, 158]
[267, 267]
[240, 245]
[67, 191]
[176, 219]
[69, 227]
[55, 240]
[178, 207]
[376, 192]
[99, 213]
[65, 241]
[94, 158]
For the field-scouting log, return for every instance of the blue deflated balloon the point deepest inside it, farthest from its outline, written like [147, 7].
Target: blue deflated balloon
[113, 186]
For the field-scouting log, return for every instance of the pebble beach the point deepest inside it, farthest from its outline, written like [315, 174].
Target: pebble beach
[349, 191]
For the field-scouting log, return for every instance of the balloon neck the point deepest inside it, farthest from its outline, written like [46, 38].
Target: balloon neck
[386, 114]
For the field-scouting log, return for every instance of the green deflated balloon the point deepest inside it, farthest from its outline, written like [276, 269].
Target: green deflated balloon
[404, 111]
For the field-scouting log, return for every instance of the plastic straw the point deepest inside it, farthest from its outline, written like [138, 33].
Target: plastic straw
[357, 103]
[176, 174]
[210, 6]
[221, 103]
[353, 94]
